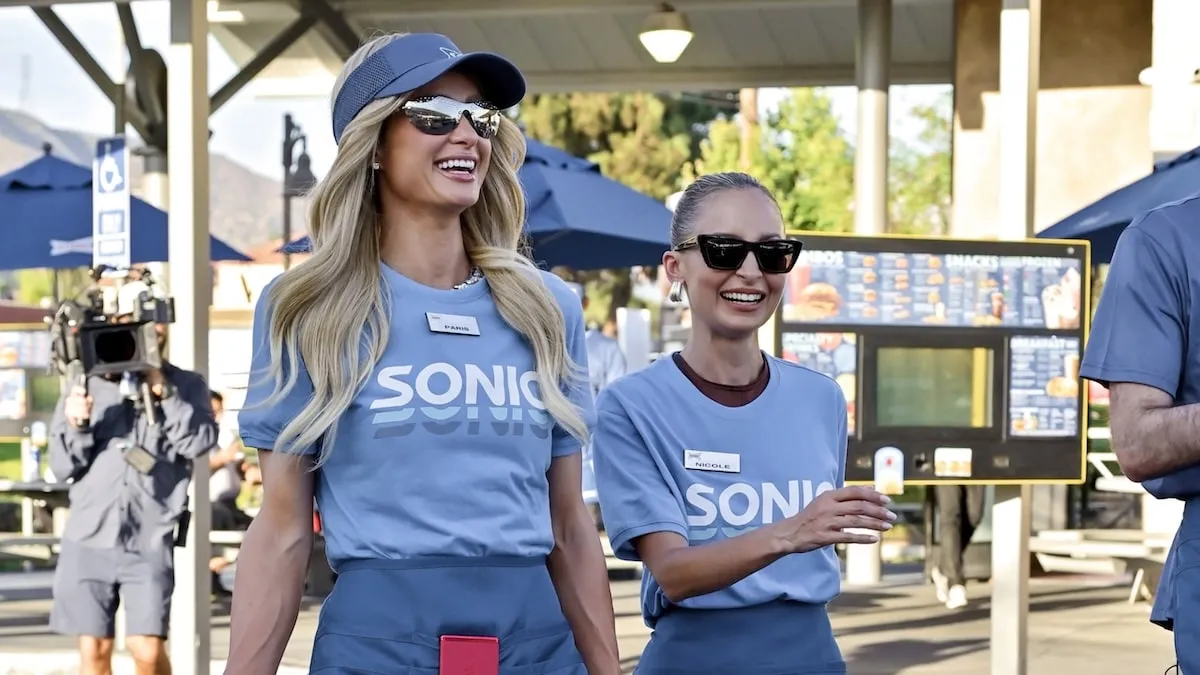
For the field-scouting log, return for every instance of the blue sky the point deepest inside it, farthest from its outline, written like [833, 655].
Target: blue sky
[247, 129]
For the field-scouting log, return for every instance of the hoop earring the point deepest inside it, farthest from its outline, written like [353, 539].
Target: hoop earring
[676, 292]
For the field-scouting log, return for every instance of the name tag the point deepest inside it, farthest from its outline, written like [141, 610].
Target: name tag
[453, 324]
[706, 460]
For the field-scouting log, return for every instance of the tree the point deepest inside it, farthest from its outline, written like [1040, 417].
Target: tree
[35, 285]
[640, 139]
[800, 154]
[920, 171]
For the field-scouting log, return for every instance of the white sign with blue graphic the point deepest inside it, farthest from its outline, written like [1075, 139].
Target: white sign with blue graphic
[110, 204]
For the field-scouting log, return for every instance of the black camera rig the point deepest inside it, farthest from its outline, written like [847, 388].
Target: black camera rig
[92, 336]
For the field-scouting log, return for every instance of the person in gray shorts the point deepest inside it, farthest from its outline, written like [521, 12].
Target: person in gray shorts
[119, 538]
[1145, 347]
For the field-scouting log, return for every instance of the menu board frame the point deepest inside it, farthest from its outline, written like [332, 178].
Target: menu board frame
[993, 455]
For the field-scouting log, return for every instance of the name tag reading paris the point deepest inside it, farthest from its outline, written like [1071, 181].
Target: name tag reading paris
[452, 323]
[706, 460]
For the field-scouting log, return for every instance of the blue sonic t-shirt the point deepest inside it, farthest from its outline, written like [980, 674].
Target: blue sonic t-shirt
[670, 459]
[1147, 331]
[444, 451]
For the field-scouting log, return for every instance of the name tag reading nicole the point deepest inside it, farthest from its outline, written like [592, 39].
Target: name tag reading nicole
[452, 323]
[705, 460]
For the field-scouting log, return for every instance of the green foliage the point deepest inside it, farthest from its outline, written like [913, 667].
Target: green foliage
[640, 139]
[691, 114]
[35, 284]
[799, 154]
[920, 172]
[805, 159]
[658, 143]
[10, 461]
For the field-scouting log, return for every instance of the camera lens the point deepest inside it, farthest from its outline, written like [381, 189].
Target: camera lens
[116, 346]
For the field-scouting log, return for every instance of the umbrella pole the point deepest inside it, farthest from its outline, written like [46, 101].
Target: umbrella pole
[54, 286]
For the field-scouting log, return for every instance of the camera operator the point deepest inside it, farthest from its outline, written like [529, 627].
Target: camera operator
[130, 473]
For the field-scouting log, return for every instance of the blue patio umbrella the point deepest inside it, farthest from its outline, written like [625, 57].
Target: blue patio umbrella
[580, 218]
[46, 220]
[548, 155]
[1103, 221]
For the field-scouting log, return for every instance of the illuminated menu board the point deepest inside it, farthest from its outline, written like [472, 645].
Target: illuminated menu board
[1043, 386]
[934, 289]
[834, 355]
[25, 349]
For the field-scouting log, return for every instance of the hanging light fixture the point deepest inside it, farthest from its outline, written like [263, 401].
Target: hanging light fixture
[665, 34]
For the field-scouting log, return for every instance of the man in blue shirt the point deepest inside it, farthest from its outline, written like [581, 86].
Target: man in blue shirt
[1145, 347]
[606, 364]
[606, 361]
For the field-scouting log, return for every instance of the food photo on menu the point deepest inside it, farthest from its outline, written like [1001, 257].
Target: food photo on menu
[919, 289]
[12, 394]
[834, 355]
[24, 349]
[1061, 302]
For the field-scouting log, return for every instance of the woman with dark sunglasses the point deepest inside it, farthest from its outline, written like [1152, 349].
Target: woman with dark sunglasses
[428, 383]
[721, 468]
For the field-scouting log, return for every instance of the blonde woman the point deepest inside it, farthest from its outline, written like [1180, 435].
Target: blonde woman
[436, 380]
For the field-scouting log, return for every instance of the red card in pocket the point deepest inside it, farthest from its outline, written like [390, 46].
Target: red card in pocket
[469, 655]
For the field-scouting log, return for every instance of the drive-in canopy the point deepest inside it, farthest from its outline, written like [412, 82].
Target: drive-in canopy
[580, 45]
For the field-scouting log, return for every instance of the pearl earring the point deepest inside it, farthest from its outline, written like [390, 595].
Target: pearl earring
[676, 292]
[375, 166]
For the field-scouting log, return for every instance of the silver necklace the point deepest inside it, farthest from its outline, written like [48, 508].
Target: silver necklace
[473, 278]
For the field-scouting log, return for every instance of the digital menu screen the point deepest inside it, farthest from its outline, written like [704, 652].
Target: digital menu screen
[1043, 391]
[25, 349]
[834, 355]
[934, 289]
[12, 395]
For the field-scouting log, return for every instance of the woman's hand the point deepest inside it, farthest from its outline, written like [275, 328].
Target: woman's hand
[827, 519]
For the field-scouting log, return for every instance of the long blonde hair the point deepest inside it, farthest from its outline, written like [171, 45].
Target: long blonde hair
[332, 312]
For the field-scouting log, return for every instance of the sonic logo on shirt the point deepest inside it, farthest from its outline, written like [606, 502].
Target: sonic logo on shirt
[444, 398]
[741, 507]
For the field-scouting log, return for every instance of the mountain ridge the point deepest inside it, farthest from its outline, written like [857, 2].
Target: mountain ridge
[245, 207]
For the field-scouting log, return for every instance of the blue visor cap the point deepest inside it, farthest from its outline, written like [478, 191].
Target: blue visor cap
[415, 60]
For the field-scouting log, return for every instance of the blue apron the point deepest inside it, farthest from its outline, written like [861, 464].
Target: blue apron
[386, 617]
[1177, 600]
[777, 638]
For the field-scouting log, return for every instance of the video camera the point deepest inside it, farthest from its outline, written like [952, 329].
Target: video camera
[98, 335]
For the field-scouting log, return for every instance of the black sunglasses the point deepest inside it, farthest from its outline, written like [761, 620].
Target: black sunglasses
[439, 115]
[726, 254]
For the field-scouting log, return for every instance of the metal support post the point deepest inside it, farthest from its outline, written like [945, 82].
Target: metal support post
[1010, 580]
[871, 145]
[1020, 61]
[121, 104]
[191, 286]
[864, 562]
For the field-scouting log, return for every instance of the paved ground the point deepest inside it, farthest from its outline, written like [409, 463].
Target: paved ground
[895, 629]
